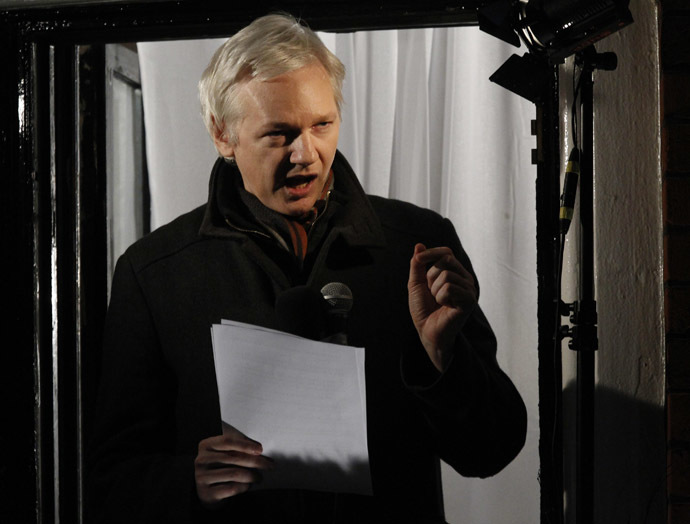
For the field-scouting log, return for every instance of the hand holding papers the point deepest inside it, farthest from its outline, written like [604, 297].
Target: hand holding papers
[303, 400]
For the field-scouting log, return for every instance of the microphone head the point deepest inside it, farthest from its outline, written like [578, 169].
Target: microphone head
[338, 296]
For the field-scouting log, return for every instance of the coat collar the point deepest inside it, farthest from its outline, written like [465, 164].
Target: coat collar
[354, 219]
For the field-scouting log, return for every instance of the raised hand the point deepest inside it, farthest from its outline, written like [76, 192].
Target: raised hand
[441, 295]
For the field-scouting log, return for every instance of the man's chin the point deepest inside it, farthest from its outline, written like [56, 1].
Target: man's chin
[297, 208]
[296, 213]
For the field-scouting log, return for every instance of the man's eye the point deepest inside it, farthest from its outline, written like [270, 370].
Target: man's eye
[322, 125]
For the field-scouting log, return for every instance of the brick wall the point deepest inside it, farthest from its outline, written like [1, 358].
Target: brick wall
[675, 134]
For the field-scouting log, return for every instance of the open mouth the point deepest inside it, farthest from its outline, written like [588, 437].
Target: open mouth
[299, 181]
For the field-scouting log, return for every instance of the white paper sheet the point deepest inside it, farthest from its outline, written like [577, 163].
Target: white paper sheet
[303, 400]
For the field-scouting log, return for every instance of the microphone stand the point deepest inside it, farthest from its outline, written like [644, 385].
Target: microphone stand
[583, 314]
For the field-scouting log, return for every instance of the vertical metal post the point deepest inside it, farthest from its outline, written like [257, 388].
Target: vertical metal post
[585, 314]
[550, 375]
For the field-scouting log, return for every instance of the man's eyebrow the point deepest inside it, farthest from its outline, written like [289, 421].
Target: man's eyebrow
[327, 117]
[287, 125]
[277, 125]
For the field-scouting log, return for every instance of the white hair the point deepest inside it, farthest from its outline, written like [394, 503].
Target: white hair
[268, 47]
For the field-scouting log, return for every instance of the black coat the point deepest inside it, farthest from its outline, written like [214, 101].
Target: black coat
[159, 395]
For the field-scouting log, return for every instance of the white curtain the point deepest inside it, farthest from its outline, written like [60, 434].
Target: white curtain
[421, 123]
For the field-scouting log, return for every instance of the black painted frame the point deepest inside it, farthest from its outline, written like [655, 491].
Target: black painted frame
[52, 158]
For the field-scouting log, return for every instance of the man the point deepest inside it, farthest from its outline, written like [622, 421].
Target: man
[285, 209]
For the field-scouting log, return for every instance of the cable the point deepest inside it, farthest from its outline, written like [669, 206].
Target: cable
[577, 84]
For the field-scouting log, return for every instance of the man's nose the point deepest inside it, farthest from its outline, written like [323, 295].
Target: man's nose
[303, 150]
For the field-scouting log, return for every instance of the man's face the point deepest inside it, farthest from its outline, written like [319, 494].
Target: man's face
[287, 138]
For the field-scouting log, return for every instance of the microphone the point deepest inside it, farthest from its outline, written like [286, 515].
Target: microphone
[301, 311]
[339, 299]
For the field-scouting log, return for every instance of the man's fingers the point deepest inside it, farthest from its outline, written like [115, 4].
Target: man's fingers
[430, 262]
[440, 259]
[447, 262]
[215, 495]
[432, 254]
[455, 296]
[220, 492]
[214, 459]
[234, 474]
[449, 283]
[448, 273]
[448, 270]
[232, 440]
[228, 465]
[250, 447]
[445, 278]
[417, 268]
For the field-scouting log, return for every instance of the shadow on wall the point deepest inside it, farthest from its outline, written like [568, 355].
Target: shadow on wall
[629, 458]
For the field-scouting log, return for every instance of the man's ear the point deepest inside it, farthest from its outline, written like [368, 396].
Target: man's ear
[221, 140]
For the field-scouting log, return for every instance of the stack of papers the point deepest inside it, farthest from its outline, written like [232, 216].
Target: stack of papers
[303, 400]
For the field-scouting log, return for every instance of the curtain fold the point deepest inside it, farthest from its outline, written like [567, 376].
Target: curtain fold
[421, 123]
[424, 124]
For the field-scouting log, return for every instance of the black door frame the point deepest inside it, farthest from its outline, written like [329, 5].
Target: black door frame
[52, 154]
